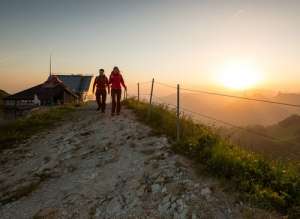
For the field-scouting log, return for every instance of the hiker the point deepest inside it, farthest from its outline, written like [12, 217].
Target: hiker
[116, 80]
[101, 82]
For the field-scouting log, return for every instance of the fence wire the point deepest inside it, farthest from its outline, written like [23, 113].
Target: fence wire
[159, 100]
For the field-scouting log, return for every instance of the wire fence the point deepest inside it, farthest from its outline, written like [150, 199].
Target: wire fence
[151, 91]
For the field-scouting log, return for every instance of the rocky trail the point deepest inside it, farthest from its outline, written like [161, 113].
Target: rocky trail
[97, 166]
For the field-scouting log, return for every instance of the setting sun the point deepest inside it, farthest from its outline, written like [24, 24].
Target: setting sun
[239, 76]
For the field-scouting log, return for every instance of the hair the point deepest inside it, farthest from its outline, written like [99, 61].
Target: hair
[101, 69]
[115, 69]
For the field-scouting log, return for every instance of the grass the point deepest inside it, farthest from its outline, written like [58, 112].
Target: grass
[23, 128]
[267, 184]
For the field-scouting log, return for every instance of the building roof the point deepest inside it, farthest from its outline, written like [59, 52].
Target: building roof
[77, 83]
[52, 81]
[44, 91]
[27, 94]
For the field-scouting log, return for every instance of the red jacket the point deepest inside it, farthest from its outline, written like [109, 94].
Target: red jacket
[101, 82]
[116, 80]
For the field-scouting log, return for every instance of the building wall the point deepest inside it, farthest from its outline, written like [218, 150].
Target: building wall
[89, 94]
[69, 98]
[18, 102]
[18, 106]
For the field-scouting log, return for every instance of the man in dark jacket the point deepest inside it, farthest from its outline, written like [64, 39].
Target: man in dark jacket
[101, 82]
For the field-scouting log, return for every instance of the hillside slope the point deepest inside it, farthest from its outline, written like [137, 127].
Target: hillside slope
[101, 167]
[286, 131]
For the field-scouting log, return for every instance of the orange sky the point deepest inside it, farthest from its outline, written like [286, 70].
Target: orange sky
[174, 41]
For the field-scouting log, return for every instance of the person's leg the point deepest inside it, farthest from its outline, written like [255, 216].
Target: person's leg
[98, 99]
[103, 101]
[113, 101]
[119, 94]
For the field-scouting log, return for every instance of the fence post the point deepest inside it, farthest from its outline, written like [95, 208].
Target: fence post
[178, 114]
[138, 87]
[151, 93]
[150, 100]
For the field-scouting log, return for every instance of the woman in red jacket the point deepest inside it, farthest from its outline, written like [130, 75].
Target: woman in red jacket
[116, 80]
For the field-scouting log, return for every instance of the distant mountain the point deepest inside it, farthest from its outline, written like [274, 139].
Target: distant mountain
[237, 111]
[288, 98]
[281, 140]
[290, 122]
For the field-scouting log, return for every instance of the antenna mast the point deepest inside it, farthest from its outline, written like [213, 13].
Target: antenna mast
[50, 73]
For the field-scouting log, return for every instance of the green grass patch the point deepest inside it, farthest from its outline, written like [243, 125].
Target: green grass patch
[268, 184]
[25, 127]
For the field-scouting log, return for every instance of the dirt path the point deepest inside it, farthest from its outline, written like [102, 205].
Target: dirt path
[83, 169]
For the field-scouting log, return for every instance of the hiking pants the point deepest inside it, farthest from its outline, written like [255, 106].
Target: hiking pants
[101, 99]
[116, 100]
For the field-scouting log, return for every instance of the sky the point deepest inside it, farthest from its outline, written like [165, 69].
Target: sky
[186, 42]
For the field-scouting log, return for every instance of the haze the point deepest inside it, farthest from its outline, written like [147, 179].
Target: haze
[174, 41]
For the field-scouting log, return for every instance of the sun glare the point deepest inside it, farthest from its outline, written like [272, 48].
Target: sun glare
[239, 76]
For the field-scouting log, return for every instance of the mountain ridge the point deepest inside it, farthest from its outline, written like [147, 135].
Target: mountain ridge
[237, 111]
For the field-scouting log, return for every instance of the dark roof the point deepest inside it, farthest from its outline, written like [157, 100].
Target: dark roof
[27, 94]
[3, 94]
[47, 92]
[52, 81]
[53, 86]
[77, 83]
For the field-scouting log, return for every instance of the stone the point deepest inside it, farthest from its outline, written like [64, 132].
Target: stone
[140, 191]
[173, 199]
[197, 185]
[172, 207]
[160, 179]
[30, 155]
[164, 208]
[206, 192]
[181, 215]
[155, 188]
[180, 204]
[46, 213]
[166, 199]
[172, 188]
[194, 216]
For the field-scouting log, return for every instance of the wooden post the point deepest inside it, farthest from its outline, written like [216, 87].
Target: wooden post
[151, 93]
[150, 100]
[138, 94]
[178, 114]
